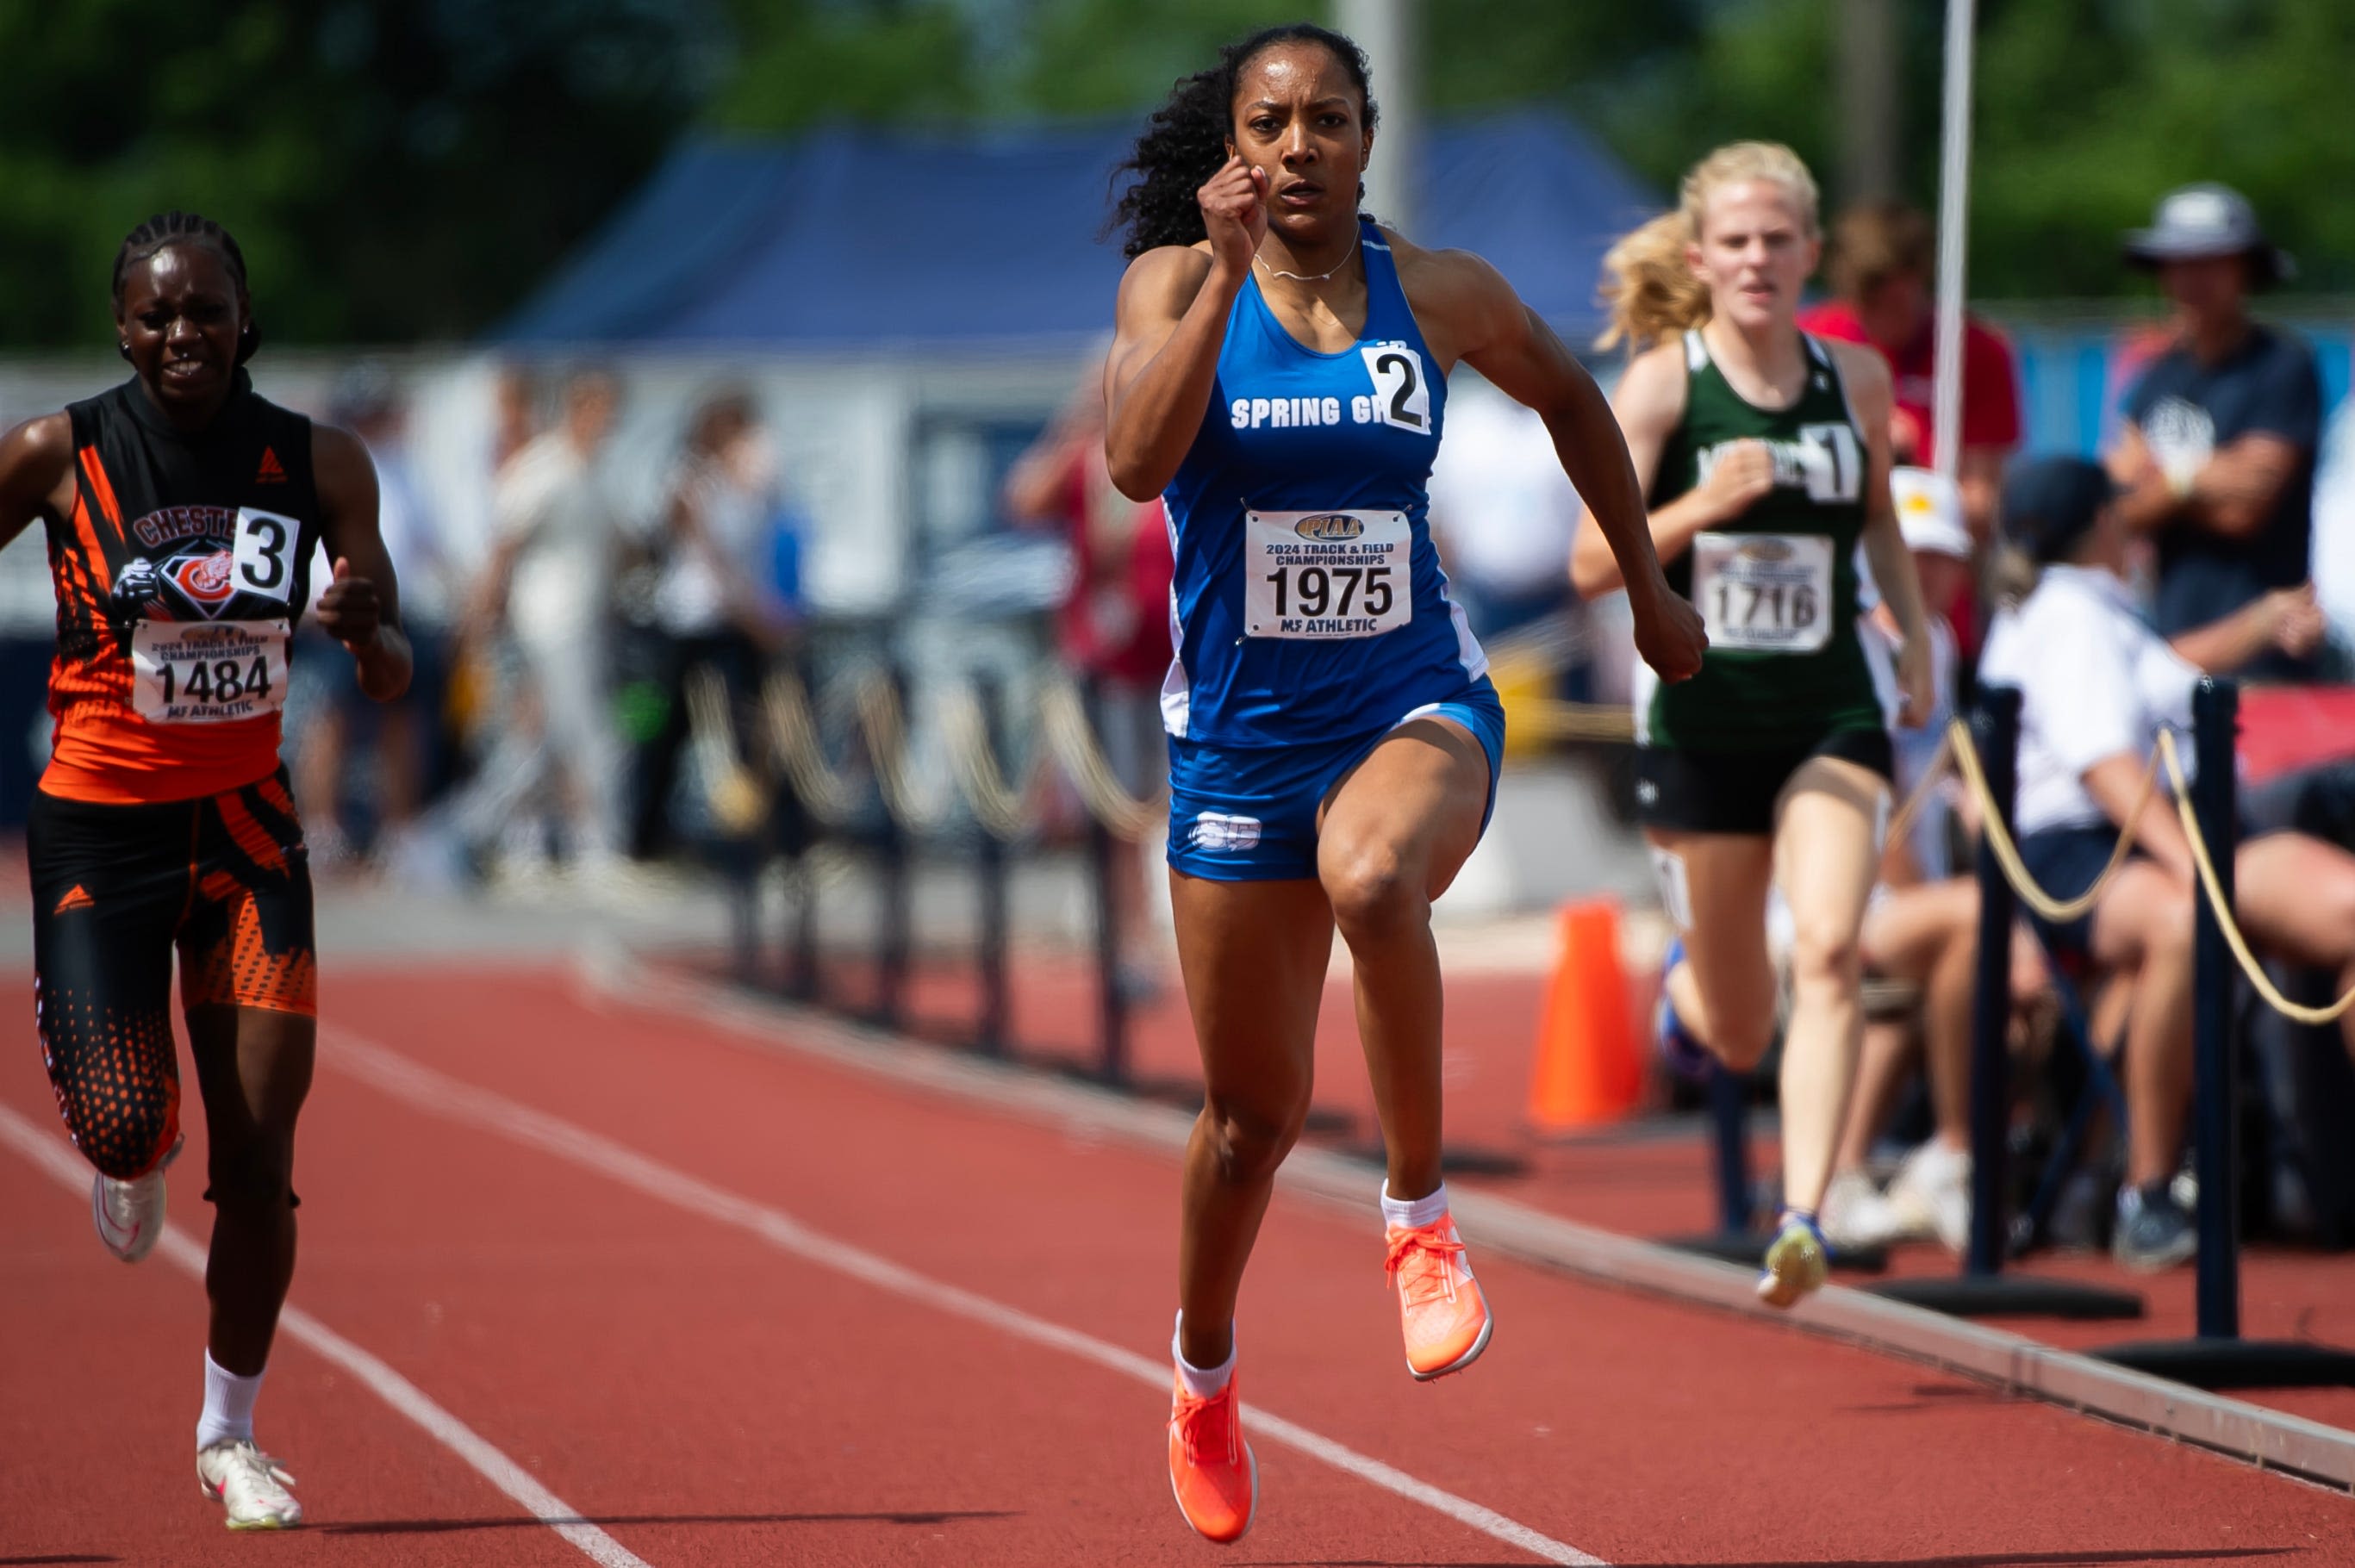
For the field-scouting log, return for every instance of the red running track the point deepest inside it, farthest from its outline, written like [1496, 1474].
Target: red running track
[561, 1225]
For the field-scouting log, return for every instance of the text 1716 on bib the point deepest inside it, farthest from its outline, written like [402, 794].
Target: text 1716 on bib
[1764, 592]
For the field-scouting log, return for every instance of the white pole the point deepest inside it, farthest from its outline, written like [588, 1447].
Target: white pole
[1954, 226]
[1385, 29]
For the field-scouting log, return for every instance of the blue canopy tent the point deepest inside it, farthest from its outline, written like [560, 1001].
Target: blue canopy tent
[856, 238]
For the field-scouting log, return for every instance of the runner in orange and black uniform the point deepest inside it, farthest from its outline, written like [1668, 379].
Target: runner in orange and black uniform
[182, 512]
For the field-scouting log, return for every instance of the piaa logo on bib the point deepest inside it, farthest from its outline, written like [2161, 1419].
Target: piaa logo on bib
[1765, 550]
[204, 579]
[1329, 527]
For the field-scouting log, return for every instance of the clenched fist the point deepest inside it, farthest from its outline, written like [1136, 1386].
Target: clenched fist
[1234, 211]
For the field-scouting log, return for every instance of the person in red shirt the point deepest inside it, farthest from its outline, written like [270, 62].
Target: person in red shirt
[1880, 272]
[1115, 623]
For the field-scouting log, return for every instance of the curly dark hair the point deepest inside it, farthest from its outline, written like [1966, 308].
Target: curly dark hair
[1185, 142]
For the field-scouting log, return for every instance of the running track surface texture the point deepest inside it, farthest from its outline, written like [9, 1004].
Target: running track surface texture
[585, 1282]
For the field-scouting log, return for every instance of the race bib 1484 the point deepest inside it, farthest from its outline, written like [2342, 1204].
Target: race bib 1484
[208, 672]
[1324, 575]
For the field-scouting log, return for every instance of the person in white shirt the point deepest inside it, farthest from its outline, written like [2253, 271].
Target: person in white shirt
[549, 580]
[712, 604]
[2097, 684]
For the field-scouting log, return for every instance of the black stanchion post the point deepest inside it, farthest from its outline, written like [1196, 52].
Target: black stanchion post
[1995, 732]
[2219, 1358]
[743, 878]
[892, 960]
[1729, 1116]
[990, 950]
[800, 829]
[805, 983]
[1984, 1290]
[1111, 1000]
[2215, 1099]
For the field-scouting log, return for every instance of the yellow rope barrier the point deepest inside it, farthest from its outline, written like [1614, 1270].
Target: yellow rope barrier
[794, 736]
[1554, 719]
[1925, 787]
[1000, 808]
[2214, 888]
[1064, 716]
[885, 727]
[2060, 911]
[735, 796]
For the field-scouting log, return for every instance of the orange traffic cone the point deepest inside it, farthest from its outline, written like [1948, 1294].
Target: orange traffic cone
[1586, 1070]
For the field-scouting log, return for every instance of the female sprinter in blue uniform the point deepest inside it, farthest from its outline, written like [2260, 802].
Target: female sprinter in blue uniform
[1279, 376]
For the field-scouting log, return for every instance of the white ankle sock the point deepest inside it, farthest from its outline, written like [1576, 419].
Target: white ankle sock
[228, 1405]
[1412, 1212]
[1199, 1383]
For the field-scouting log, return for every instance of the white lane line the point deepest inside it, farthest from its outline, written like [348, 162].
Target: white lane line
[439, 1094]
[57, 1158]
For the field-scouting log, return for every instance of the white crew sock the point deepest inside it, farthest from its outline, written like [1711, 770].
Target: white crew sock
[228, 1405]
[1199, 1383]
[1413, 1214]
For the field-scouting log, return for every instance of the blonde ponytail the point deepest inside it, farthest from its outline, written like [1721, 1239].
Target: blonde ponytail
[1648, 285]
[1650, 289]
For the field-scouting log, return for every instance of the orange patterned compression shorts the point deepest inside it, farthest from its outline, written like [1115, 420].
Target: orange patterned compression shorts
[224, 880]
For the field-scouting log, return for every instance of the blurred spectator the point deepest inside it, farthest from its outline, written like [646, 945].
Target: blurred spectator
[404, 733]
[1930, 515]
[2216, 456]
[1115, 623]
[1504, 511]
[2097, 685]
[548, 584]
[713, 607]
[1881, 272]
[515, 416]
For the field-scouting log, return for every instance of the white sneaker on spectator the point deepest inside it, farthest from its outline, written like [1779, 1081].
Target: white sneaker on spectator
[1931, 1195]
[1854, 1213]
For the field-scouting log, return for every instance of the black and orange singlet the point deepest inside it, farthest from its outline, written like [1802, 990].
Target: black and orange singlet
[180, 574]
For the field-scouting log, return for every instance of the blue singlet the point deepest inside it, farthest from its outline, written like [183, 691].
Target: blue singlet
[1309, 614]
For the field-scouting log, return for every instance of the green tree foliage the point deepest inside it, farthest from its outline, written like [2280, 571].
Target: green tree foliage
[408, 168]
[394, 169]
[2088, 110]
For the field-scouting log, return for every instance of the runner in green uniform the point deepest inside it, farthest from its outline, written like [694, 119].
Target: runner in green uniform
[1765, 456]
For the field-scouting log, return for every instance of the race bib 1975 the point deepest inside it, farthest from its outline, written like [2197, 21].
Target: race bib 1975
[1764, 592]
[208, 672]
[1327, 574]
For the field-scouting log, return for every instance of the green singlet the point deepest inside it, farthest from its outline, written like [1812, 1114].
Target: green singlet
[1778, 585]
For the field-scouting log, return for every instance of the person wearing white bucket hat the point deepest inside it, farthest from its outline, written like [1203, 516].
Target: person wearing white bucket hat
[2215, 457]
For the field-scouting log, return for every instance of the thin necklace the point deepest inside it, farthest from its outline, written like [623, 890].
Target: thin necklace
[1313, 277]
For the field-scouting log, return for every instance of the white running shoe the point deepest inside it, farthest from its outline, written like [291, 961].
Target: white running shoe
[130, 1214]
[1854, 1213]
[250, 1484]
[1931, 1194]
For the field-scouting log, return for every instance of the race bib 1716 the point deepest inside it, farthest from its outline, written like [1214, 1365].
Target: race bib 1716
[208, 672]
[1327, 574]
[1764, 592]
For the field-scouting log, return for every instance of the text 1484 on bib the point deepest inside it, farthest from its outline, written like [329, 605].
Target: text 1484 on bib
[208, 672]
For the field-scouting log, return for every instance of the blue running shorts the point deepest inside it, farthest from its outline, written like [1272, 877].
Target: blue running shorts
[1248, 813]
